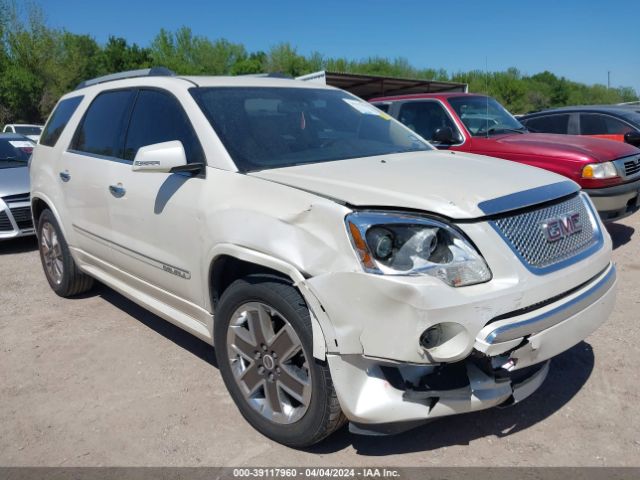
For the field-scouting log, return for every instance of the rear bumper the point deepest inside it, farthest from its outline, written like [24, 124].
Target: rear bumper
[508, 363]
[614, 203]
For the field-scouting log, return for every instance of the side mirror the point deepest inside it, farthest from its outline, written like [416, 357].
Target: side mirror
[632, 138]
[166, 157]
[445, 136]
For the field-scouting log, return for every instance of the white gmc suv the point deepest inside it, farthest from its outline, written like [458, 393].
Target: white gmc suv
[342, 267]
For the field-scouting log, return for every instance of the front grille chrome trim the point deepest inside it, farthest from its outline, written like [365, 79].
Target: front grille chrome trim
[523, 235]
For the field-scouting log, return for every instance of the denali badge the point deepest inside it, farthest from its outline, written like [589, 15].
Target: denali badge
[561, 226]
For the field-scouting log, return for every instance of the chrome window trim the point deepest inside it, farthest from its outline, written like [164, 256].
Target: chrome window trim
[100, 157]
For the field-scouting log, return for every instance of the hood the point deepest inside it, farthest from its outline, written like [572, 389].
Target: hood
[572, 147]
[452, 184]
[14, 181]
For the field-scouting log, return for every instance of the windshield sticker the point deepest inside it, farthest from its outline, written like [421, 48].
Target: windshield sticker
[20, 144]
[365, 108]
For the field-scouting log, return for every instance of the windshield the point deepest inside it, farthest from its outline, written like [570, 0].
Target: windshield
[15, 153]
[484, 116]
[264, 128]
[28, 130]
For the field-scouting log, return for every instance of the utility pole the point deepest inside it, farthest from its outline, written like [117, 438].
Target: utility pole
[608, 79]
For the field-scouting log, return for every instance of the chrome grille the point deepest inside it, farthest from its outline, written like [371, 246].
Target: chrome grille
[631, 167]
[526, 236]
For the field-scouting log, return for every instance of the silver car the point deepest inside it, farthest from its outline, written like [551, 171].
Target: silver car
[15, 211]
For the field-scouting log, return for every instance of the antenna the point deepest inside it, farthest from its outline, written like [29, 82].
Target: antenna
[486, 83]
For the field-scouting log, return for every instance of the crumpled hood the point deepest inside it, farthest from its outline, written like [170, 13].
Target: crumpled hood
[453, 184]
[573, 147]
[14, 181]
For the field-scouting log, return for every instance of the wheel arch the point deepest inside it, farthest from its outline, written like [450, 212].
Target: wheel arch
[230, 262]
[40, 203]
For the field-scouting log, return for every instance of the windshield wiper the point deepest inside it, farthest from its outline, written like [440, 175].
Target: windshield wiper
[506, 129]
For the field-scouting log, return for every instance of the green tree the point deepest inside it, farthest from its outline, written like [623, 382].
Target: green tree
[190, 54]
[118, 56]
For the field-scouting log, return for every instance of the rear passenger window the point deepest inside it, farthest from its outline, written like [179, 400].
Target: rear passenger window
[58, 120]
[101, 131]
[594, 124]
[549, 124]
[158, 117]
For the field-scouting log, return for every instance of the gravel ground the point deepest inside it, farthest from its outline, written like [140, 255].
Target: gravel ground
[98, 381]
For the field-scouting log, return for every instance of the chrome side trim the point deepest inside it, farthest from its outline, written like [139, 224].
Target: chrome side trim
[528, 198]
[178, 272]
[520, 328]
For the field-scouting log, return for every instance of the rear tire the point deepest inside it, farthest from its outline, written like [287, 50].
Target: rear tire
[261, 372]
[61, 271]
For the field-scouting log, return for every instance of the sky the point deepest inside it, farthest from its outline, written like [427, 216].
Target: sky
[581, 40]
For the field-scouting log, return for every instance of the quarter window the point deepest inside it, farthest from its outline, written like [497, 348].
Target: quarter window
[101, 131]
[58, 120]
[158, 117]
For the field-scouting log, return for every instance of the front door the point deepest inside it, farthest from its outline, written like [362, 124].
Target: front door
[155, 216]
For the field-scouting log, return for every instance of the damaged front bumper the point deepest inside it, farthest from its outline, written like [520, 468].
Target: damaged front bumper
[508, 362]
[385, 399]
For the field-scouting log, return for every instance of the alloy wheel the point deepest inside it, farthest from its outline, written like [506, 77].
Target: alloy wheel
[51, 253]
[268, 363]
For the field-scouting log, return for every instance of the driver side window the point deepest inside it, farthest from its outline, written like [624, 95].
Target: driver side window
[158, 117]
[425, 118]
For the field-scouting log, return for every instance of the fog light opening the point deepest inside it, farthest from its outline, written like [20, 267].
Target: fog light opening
[446, 341]
[431, 337]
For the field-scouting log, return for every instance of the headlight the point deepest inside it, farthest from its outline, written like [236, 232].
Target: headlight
[399, 244]
[600, 170]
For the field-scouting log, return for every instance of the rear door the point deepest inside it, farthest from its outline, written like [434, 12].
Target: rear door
[85, 168]
[155, 220]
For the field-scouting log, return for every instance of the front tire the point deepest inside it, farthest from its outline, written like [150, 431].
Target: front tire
[61, 271]
[263, 343]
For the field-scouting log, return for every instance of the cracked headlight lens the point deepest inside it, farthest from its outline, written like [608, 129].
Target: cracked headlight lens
[402, 244]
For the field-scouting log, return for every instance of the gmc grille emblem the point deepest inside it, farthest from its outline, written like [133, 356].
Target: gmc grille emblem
[562, 226]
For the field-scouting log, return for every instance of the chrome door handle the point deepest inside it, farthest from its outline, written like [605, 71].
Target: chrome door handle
[65, 176]
[117, 191]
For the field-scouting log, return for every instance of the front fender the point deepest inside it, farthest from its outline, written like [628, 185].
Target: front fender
[324, 339]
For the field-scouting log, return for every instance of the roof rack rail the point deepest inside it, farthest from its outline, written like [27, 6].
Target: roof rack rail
[145, 72]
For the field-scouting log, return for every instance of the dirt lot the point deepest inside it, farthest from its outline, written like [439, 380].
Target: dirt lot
[99, 381]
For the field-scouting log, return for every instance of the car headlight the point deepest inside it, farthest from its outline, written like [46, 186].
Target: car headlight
[600, 170]
[402, 244]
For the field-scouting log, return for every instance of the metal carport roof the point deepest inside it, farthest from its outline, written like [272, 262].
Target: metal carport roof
[370, 86]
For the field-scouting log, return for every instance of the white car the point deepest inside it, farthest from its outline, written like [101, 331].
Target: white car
[32, 132]
[342, 267]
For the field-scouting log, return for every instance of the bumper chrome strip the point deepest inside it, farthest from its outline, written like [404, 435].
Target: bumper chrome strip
[556, 315]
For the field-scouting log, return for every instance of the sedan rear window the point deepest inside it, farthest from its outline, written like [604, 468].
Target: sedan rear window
[273, 127]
